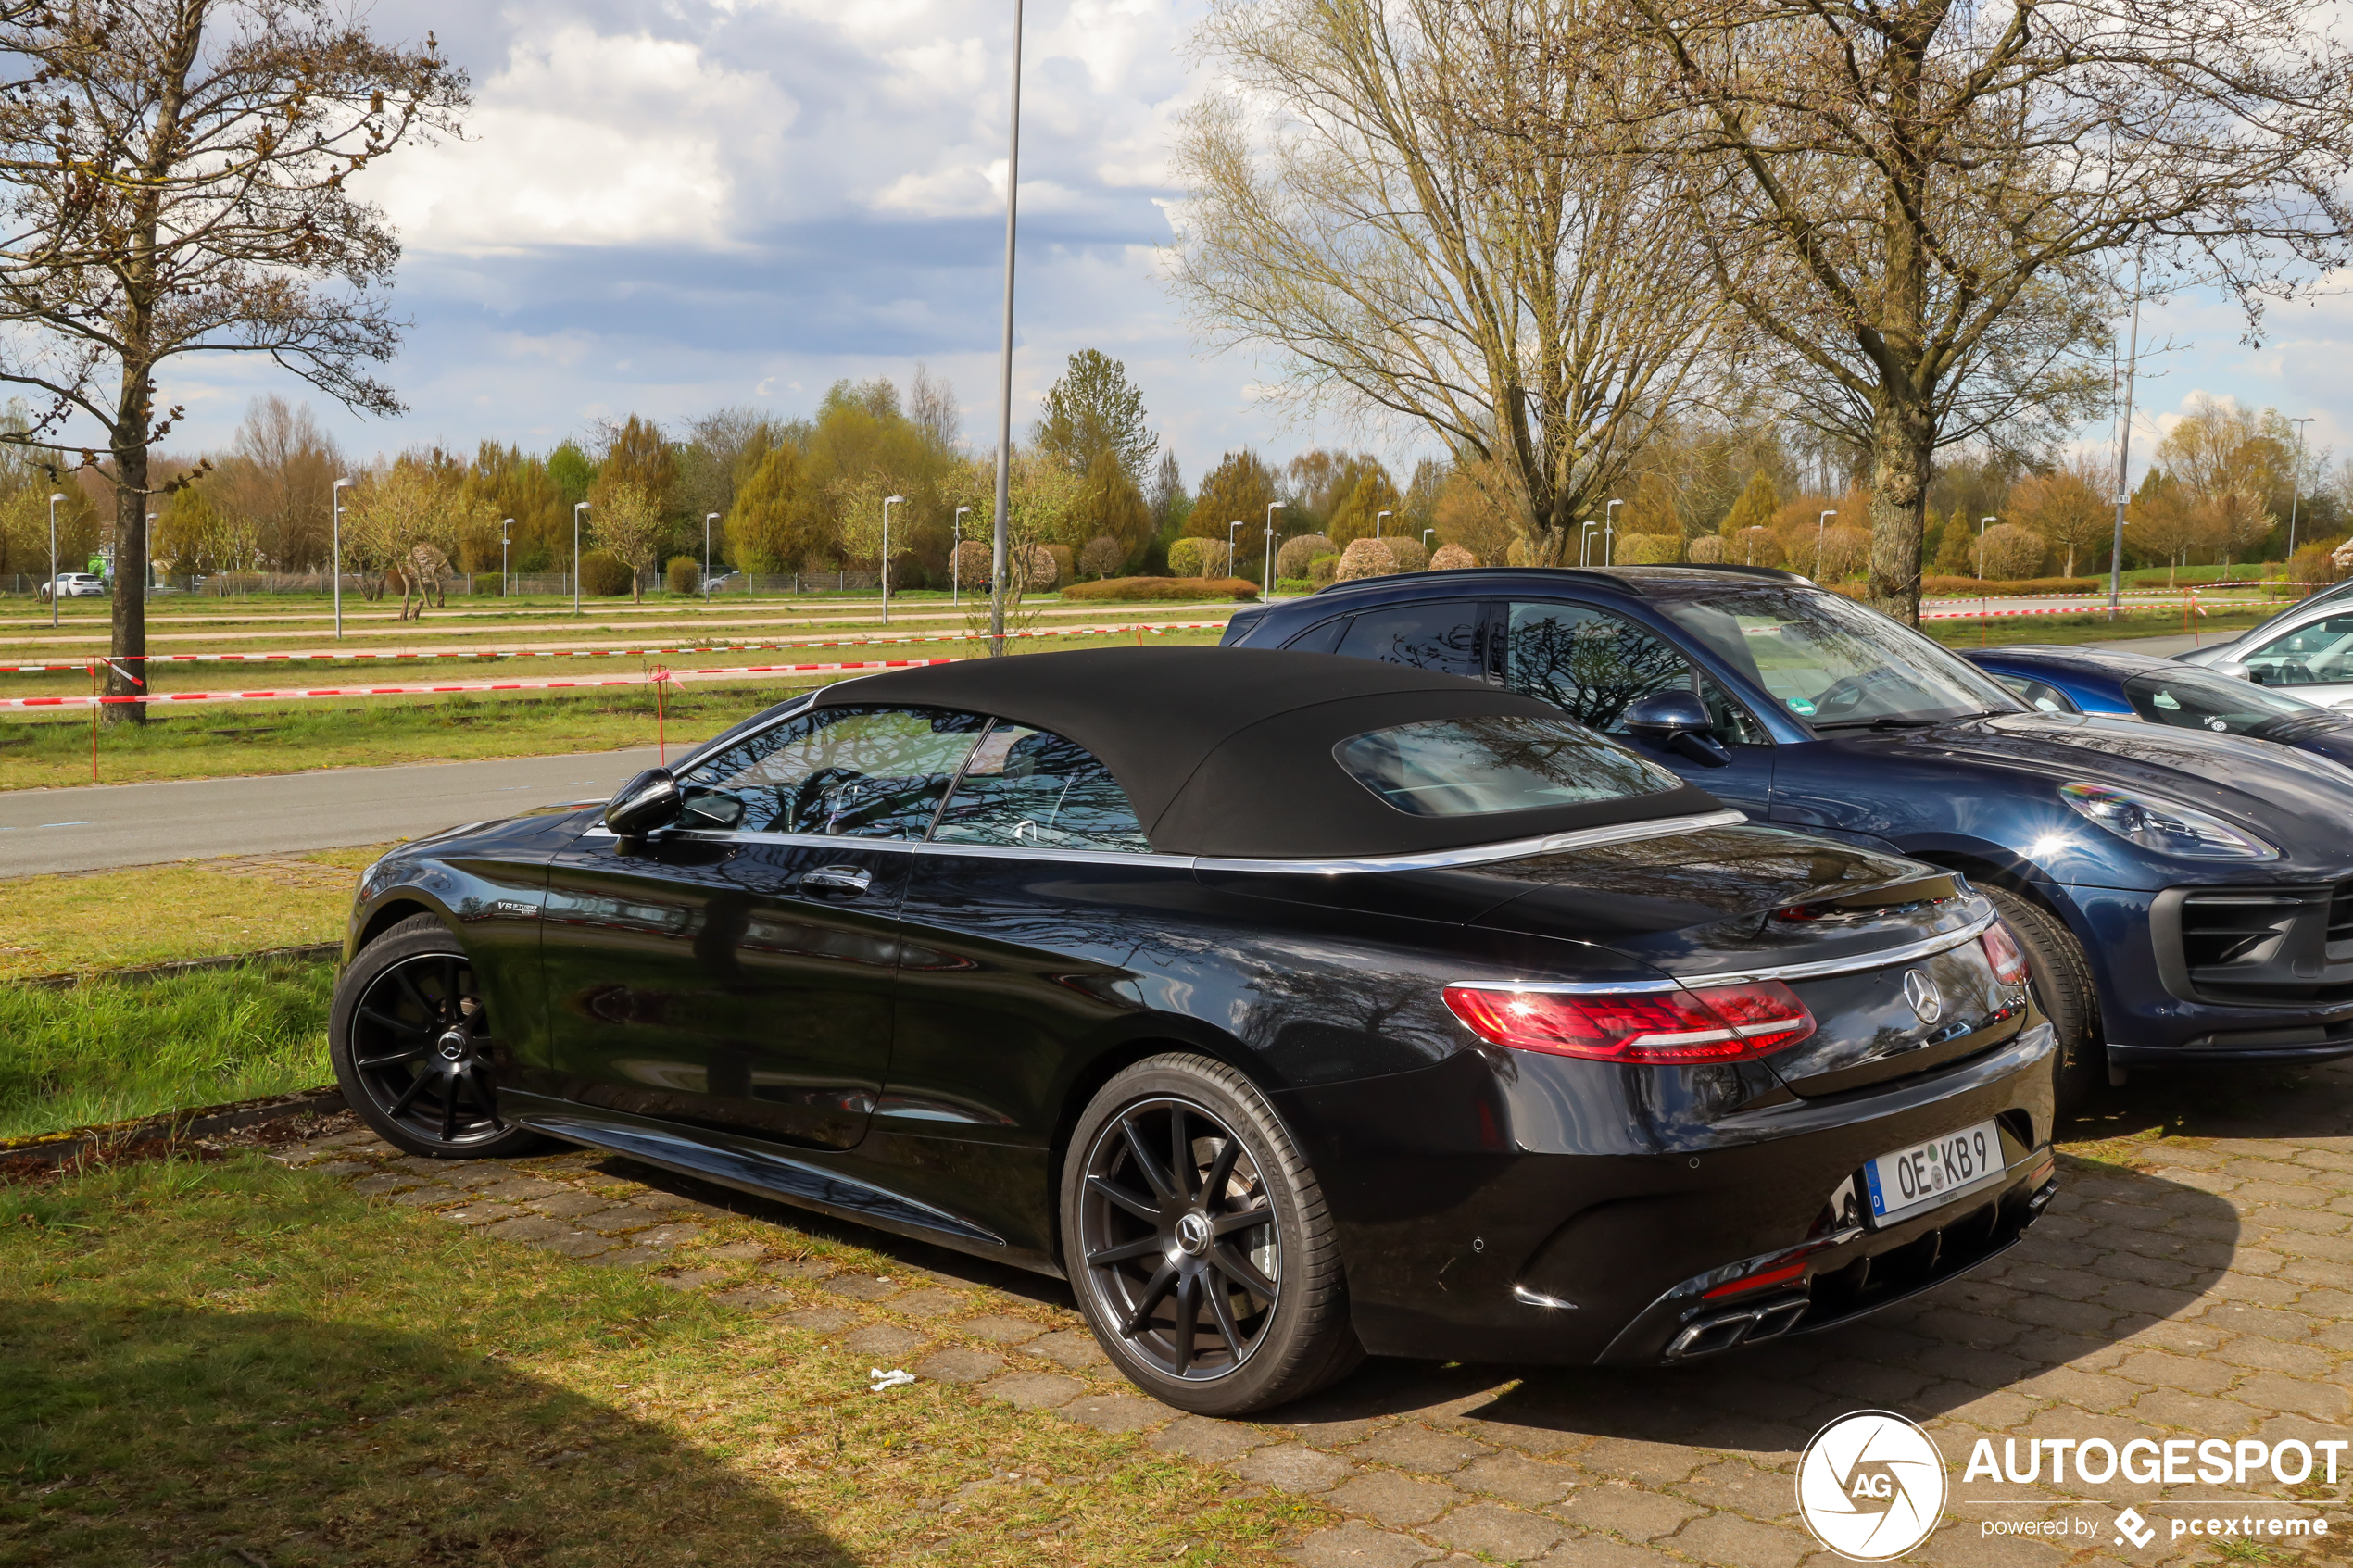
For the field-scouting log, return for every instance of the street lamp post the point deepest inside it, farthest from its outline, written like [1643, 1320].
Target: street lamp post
[335, 520]
[1609, 528]
[1005, 365]
[1426, 534]
[1230, 543]
[956, 559]
[1272, 508]
[1819, 525]
[1982, 602]
[1584, 538]
[506, 583]
[2295, 479]
[1377, 516]
[708, 519]
[888, 502]
[52, 557]
[577, 508]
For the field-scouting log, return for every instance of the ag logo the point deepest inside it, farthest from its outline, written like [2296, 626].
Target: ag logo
[1871, 1485]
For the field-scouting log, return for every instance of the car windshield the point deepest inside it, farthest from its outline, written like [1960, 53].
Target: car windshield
[1833, 662]
[2197, 699]
[1496, 762]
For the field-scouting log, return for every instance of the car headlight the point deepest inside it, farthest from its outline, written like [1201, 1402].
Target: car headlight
[2164, 826]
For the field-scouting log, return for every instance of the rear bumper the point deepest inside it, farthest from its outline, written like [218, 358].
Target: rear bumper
[1489, 1225]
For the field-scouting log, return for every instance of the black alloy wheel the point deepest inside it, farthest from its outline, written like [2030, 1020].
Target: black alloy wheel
[1198, 1242]
[2061, 979]
[413, 1046]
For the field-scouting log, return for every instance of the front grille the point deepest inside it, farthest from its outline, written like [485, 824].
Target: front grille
[2341, 913]
[2221, 928]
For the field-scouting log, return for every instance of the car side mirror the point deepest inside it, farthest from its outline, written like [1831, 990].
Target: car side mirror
[649, 801]
[1678, 721]
[2237, 671]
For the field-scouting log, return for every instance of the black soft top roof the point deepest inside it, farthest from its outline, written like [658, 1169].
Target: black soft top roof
[1228, 751]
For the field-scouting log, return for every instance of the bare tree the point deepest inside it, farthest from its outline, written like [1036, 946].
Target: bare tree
[1895, 184]
[175, 175]
[281, 473]
[1383, 195]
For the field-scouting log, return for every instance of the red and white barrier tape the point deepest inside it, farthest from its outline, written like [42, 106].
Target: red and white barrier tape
[1156, 628]
[297, 693]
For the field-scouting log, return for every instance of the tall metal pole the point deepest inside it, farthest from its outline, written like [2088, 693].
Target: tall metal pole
[2295, 484]
[53, 560]
[334, 522]
[888, 502]
[577, 508]
[1005, 374]
[2124, 452]
[708, 519]
[1609, 529]
[1819, 525]
[1272, 508]
[956, 560]
[505, 587]
[1229, 542]
[1377, 516]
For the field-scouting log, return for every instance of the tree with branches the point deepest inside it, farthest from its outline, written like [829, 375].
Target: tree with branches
[176, 181]
[1892, 187]
[1426, 206]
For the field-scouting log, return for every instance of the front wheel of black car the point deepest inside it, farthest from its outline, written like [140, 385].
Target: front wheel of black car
[415, 1049]
[1196, 1237]
[2061, 978]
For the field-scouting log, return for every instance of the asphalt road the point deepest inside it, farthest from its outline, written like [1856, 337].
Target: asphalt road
[101, 825]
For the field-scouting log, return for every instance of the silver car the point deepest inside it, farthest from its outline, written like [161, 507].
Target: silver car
[2307, 648]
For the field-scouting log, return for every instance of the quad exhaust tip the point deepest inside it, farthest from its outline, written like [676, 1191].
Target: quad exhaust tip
[1743, 1325]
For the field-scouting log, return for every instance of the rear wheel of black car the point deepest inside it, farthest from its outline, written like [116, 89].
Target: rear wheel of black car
[1198, 1243]
[2063, 989]
[415, 1048]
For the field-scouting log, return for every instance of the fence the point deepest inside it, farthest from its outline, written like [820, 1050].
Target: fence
[551, 584]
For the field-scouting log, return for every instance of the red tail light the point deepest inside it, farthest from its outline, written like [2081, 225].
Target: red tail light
[1720, 1023]
[2002, 952]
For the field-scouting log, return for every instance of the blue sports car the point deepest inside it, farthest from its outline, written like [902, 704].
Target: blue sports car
[2184, 895]
[2165, 691]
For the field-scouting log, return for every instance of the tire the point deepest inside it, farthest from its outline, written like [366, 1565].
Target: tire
[2062, 985]
[1264, 1306]
[411, 1047]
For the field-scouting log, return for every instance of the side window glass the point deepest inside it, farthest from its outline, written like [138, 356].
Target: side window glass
[1320, 638]
[2317, 651]
[1442, 636]
[1034, 789]
[2040, 695]
[1593, 665]
[852, 772]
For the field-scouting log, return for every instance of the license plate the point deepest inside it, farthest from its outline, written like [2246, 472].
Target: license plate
[1925, 1174]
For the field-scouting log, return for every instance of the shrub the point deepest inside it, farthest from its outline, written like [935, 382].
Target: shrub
[1293, 556]
[1323, 570]
[2011, 552]
[1187, 555]
[1366, 557]
[1031, 567]
[1167, 588]
[604, 575]
[1755, 546]
[1101, 557]
[1408, 554]
[1648, 549]
[1971, 587]
[1846, 553]
[1063, 562]
[685, 573]
[1707, 549]
[971, 567]
[1452, 557]
[2316, 564]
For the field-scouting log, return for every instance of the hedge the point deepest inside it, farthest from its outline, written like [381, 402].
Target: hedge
[1168, 588]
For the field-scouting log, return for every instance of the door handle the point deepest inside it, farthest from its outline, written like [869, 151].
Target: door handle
[835, 879]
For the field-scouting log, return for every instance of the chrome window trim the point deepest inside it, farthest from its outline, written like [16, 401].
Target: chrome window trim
[1886, 958]
[1512, 850]
[1080, 857]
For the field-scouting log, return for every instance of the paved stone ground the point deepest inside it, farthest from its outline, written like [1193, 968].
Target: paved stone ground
[2198, 1285]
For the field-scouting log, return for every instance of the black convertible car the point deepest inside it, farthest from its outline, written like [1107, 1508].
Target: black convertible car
[1292, 1005]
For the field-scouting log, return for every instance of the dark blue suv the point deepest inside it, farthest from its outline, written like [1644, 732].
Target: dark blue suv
[2184, 896]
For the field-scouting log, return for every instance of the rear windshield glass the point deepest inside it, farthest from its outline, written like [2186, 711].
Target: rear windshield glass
[1499, 762]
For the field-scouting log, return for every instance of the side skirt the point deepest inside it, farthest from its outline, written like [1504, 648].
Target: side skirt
[807, 1179]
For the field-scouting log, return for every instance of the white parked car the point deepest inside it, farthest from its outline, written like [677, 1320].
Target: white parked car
[77, 585]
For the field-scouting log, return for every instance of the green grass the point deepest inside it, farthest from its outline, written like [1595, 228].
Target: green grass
[240, 1365]
[2091, 627]
[111, 1050]
[82, 922]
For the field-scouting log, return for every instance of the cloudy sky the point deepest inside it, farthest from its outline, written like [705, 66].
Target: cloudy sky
[666, 207]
